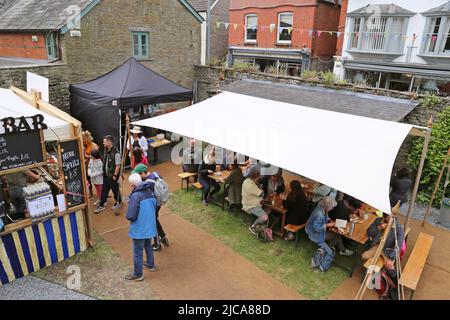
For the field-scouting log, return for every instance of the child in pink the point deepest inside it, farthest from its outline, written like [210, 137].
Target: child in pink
[95, 172]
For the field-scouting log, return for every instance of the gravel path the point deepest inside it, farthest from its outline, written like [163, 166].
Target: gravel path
[419, 213]
[32, 288]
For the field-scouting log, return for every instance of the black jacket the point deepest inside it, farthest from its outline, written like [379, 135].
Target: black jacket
[203, 170]
[297, 209]
[390, 250]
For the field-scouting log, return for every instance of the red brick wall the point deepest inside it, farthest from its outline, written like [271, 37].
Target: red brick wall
[342, 21]
[327, 18]
[307, 16]
[21, 46]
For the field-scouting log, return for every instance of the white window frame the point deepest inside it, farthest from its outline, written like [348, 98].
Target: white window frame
[279, 26]
[246, 40]
[444, 30]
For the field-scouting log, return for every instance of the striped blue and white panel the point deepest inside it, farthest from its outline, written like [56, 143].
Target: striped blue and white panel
[28, 250]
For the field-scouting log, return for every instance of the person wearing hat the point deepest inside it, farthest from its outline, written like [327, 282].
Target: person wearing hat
[322, 192]
[150, 178]
[137, 140]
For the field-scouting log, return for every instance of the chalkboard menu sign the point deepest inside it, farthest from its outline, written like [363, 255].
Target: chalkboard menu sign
[21, 150]
[72, 172]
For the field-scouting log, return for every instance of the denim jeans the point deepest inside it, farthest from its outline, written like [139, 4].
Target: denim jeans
[138, 256]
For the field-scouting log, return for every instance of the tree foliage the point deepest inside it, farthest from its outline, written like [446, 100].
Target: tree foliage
[438, 148]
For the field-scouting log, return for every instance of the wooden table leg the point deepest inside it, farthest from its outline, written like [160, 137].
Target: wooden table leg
[283, 223]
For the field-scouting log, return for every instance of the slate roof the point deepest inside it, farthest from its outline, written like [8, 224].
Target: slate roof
[199, 5]
[344, 101]
[441, 10]
[48, 15]
[383, 9]
[38, 14]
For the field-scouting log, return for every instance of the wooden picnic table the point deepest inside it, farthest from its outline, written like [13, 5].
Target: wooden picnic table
[359, 235]
[219, 177]
[157, 144]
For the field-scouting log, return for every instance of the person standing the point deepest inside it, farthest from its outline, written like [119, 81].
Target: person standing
[141, 214]
[401, 184]
[111, 170]
[137, 141]
[150, 179]
[88, 146]
[95, 173]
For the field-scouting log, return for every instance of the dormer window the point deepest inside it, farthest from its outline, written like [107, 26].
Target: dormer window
[437, 31]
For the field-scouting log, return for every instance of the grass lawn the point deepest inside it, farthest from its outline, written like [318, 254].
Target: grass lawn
[278, 258]
[102, 275]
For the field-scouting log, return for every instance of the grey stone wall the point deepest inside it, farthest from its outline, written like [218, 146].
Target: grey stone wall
[58, 75]
[106, 42]
[219, 36]
[211, 79]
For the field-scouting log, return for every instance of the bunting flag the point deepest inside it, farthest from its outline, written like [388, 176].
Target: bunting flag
[272, 27]
[404, 37]
[330, 33]
[434, 37]
[310, 33]
[280, 30]
[235, 26]
[319, 33]
[226, 25]
[290, 30]
[414, 37]
[339, 34]
[218, 24]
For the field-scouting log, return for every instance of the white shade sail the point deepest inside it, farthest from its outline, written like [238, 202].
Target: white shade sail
[352, 154]
[13, 106]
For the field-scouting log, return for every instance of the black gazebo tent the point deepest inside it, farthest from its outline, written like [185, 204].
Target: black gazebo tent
[99, 103]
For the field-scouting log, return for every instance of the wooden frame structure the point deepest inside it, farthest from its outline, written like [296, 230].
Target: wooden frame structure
[27, 246]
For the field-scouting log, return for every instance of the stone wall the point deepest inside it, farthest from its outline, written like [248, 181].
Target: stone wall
[219, 36]
[58, 75]
[211, 79]
[106, 39]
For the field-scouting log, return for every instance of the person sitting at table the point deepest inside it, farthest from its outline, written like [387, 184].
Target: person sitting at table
[321, 192]
[137, 140]
[401, 184]
[138, 157]
[317, 230]
[16, 182]
[248, 165]
[273, 184]
[296, 205]
[345, 207]
[210, 186]
[191, 158]
[393, 244]
[234, 181]
[252, 199]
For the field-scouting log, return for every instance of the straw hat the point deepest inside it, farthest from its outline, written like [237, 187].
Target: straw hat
[136, 129]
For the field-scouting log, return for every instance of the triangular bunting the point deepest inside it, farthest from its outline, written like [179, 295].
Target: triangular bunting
[226, 25]
[339, 34]
[290, 30]
[272, 27]
[310, 33]
[319, 33]
[218, 25]
[235, 26]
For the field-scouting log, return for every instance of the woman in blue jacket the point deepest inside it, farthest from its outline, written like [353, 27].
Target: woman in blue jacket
[142, 215]
[316, 228]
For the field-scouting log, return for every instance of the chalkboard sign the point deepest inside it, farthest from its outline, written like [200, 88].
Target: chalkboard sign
[72, 173]
[21, 150]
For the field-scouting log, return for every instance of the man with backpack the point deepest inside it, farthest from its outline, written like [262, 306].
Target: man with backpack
[161, 190]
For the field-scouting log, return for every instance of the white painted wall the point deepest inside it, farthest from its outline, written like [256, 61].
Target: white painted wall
[416, 23]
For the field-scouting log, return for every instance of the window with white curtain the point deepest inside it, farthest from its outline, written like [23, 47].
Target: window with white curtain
[251, 27]
[285, 25]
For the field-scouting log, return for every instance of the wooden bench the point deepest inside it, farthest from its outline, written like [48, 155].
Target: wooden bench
[295, 230]
[186, 176]
[413, 270]
[198, 186]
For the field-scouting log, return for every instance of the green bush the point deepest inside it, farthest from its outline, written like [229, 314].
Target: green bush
[310, 75]
[245, 66]
[329, 77]
[439, 144]
[430, 100]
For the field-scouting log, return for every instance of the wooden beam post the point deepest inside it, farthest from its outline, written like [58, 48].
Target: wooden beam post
[436, 187]
[370, 271]
[412, 202]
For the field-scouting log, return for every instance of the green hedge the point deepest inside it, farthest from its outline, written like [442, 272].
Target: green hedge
[439, 144]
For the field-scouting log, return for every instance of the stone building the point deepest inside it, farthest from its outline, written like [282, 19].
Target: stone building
[78, 40]
[219, 35]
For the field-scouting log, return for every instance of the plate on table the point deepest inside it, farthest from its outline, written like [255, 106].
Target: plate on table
[342, 231]
[217, 174]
